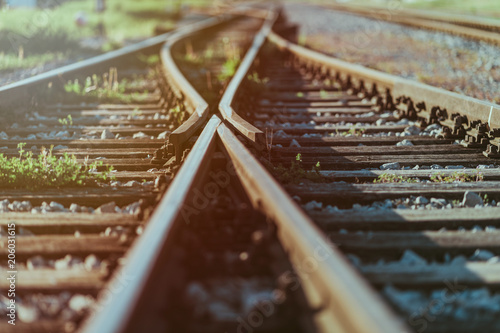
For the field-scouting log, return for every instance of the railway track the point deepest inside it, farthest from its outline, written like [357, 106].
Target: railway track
[223, 246]
[400, 176]
[132, 110]
[479, 28]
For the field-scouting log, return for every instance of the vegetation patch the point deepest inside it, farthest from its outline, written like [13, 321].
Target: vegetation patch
[461, 177]
[46, 170]
[296, 173]
[107, 87]
[256, 84]
[392, 178]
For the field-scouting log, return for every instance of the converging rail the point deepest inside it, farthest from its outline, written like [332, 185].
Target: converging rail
[400, 176]
[123, 110]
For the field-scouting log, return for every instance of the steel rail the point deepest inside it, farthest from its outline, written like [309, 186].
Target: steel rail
[344, 302]
[20, 91]
[425, 95]
[197, 107]
[254, 134]
[145, 255]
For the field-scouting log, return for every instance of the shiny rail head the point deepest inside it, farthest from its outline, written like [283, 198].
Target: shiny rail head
[344, 301]
[116, 310]
[253, 134]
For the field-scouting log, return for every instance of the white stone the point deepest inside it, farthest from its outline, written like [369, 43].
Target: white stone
[403, 143]
[75, 208]
[79, 303]
[439, 202]
[57, 207]
[294, 143]
[107, 134]
[91, 262]
[164, 135]
[140, 135]
[133, 183]
[390, 166]
[27, 313]
[420, 200]
[481, 255]
[313, 205]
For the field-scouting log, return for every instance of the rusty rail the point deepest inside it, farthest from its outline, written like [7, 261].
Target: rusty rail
[197, 106]
[118, 311]
[461, 114]
[344, 301]
[226, 104]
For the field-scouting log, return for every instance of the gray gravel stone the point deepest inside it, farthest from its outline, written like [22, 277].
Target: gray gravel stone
[412, 130]
[471, 199]
[481, 255]
[420, 200]
[107, 134]
[405, 142]
[453, 167]
[390, 166]
[140, 135]
[439, 202]
[110, 207]
[411, 258]
[164, 135]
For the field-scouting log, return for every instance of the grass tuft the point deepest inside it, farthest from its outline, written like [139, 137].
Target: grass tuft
[46, 170]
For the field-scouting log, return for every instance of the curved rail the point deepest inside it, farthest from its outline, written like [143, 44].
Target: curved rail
[146, 254]
[344, 301]
[433, 104]
[226, 104]
[334, 287]
[20, 91]
[120, 312]
[198, 108]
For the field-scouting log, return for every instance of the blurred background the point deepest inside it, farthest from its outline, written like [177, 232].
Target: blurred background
[37, 35]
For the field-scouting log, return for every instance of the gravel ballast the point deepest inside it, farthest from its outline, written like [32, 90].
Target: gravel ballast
[454, 63]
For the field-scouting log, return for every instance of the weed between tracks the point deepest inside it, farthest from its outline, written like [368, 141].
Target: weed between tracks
[435, 178]
[45, 170]
[296, 173]
[107, 87]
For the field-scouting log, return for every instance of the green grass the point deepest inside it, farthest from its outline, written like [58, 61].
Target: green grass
[470, 7]
[296, 173]
[45, 170]
[30, 37]
[102, 88]
[228, 69]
